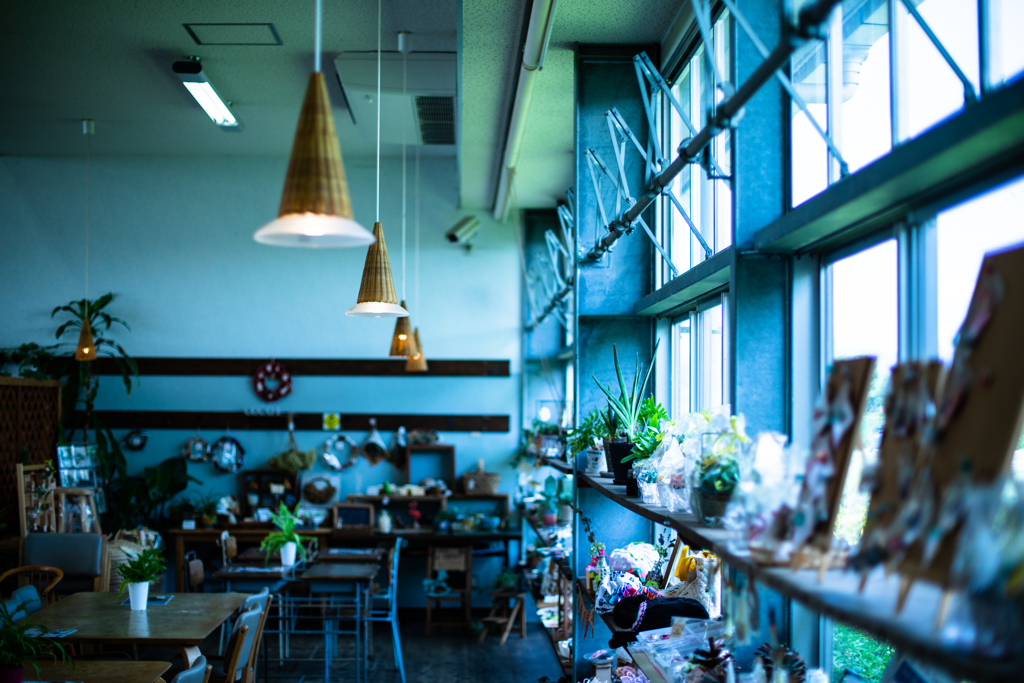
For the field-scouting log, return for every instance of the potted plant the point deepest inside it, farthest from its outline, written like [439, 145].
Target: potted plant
[649, 435]
[583, 440]
[137, 574]
[285, 539]
[206, 510]
[717, 475]
[626, 407]
[17, 646]
[548, 516]
[443, 521]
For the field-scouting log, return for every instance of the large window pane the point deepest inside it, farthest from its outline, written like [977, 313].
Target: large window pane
[712, 356]
[964, 234]
[809, 153]
[864, 318]
[930, 90]
[865, 126]
[681, 369]
[1006, 26]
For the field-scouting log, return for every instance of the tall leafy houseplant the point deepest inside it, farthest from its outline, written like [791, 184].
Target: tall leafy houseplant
[132, 500]
[285, 540]
[137, 574]
[17, 647]
[626, 408]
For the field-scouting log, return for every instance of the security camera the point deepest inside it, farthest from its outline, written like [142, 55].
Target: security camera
[463, 231]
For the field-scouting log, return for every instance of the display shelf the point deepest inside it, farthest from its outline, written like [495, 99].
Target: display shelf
[541, 531]
[552, 634]
[559, 464]
[836, 595]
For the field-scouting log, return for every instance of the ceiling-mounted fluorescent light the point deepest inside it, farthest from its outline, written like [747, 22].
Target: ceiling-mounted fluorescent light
[191, 74]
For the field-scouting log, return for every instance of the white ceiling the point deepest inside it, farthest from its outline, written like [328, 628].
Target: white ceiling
[490, 55]
[110, 60]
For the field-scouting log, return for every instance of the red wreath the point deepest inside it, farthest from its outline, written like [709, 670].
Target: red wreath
[272, 371]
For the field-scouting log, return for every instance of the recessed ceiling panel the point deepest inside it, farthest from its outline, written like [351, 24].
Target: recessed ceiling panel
[233, 34]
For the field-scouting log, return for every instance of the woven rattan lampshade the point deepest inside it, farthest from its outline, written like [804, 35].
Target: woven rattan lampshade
[315, 207]
[418, 362]
[402, 343]
[86, 349]
[377, 298]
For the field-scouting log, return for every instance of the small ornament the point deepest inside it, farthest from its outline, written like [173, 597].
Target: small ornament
[272, 381]
[785, 659]
[227, 454]
[135, 440]
[196, 449]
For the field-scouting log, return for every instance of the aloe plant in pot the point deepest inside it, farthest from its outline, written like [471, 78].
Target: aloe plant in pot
[285, 539]
[18, 647]
[626, 408]
[137, 574]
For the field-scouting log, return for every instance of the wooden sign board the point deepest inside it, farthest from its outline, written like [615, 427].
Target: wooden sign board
[987, 424]
[857, 373]
[353, 517]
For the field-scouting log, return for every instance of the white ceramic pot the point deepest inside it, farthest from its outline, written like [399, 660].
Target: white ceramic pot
[138, 596]
[288, 554]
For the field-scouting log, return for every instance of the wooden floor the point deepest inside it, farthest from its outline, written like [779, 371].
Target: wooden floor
[444, 658]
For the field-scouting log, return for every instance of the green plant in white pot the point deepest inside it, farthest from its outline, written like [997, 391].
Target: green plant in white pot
[285, 540]
[18, 647]
[137, 574]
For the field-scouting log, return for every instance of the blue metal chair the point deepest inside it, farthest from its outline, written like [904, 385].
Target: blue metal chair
[389, 612]
[196, 674]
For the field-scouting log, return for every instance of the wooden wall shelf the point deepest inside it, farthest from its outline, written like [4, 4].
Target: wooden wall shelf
[211, 420]
[836, 596]
[306, 367]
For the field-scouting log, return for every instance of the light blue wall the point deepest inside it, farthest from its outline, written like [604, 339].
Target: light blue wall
[172, 237]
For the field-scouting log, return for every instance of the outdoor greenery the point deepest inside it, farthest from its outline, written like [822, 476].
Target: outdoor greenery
[286, 522]
[858, 652]
[17, 647]
[143, 569]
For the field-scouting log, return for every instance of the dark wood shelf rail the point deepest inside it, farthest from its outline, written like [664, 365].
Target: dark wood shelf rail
[307, 367]
[212, 420]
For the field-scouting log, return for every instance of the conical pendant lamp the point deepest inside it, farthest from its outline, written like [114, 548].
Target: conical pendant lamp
[315, 210]
[377, 298]
[418, 362]
[86, 349]
[402, 343]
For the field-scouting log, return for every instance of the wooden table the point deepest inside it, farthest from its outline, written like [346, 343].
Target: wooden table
[254, 577]
[243, 534]
[120, 671]
[181, 624]
[369, 555]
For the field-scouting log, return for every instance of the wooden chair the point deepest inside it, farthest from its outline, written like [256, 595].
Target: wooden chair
[506, 619]
[449, 559]
[82, 557]
[85, 498]
[236, 662]
[254, 654]
[199, 672]
[194, 572]
[44, 578]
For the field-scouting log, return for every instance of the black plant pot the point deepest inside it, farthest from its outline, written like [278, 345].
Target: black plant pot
[632, 485]
[614, 453]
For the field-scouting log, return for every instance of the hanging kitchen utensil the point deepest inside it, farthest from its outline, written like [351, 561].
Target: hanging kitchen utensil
[399, 456]
[373, 446]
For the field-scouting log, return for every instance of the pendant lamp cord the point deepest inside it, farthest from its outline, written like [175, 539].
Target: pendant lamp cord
[316, 49]
[403, 179]
[378, 109]
[416, 224]
[88, 174]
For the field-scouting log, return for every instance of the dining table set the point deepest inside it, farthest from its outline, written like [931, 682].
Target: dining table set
[326, 594]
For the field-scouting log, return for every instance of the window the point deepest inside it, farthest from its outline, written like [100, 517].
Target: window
[706, 200]
[879, 79]
[700, 358]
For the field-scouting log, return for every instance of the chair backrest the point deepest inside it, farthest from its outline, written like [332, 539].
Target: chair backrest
[44, 579]
[236, 661]
[194, 570]
[228, 548]
[23, 602]
[254, 653]
[392, 593]
[79, 556]
[195, 674]
[255, 599]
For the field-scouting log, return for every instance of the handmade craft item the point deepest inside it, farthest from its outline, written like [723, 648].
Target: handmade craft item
[272, 381]
[227, 454]
[373, 447]
[319, 491]
[340, 452]
[196, 449]
[136, 440]
[641, 612]
[291, 459]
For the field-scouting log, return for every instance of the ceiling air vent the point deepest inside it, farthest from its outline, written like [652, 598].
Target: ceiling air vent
[437, 120]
